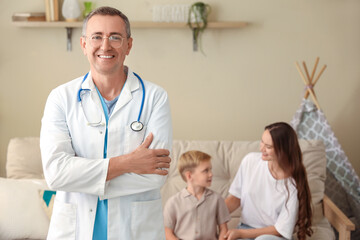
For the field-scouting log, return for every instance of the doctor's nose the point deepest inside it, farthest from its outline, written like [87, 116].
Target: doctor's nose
[105, 44]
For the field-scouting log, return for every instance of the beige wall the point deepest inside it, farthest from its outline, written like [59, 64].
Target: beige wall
[246, 80]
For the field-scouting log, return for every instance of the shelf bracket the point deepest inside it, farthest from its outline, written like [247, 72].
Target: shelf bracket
[68, 44]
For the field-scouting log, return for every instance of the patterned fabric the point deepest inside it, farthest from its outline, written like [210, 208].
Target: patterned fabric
[311, 123]
[47, 201]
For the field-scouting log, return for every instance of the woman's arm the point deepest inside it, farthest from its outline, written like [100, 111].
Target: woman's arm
[169, 234]
[232, 203]
[222, 231]
[251, 233]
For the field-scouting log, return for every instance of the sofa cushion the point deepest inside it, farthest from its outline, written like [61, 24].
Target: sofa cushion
[21, 213]
[23, 158]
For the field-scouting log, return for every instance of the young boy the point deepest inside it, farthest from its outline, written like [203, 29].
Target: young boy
[196, 211]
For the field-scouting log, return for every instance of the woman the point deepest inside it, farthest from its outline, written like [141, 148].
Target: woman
[272, 189]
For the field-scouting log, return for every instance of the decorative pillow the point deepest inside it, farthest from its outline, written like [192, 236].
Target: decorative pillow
[24, 158]
[47, 198]
[21, 213]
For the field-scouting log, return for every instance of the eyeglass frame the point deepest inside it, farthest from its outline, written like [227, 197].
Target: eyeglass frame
[102, 39]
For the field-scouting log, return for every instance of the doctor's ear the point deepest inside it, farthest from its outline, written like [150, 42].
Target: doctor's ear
[129, 45]
[83, 45]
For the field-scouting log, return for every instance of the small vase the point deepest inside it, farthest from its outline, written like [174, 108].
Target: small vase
[88, 8]
[71, 10]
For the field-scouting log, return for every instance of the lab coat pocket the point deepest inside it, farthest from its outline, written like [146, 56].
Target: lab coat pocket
[133, 139]
[147, 221]
[63, 221]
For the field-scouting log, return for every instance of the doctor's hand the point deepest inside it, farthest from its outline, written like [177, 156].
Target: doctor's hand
[149, 161]
[141, 161]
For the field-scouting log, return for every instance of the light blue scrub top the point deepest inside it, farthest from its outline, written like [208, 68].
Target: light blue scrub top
[101, 217]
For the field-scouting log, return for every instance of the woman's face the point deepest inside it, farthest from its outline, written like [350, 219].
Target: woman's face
[267, 147]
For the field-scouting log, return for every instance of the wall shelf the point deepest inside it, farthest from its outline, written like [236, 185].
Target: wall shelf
[135, 24]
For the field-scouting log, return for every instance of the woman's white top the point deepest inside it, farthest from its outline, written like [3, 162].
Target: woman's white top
[265, 200]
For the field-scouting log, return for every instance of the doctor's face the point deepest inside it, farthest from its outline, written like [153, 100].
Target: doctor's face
[106, 44]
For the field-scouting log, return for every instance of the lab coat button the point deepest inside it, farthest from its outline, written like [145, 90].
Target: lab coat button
[100, 132]
[90, 210]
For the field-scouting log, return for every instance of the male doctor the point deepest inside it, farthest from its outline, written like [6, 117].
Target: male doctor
[106, 171]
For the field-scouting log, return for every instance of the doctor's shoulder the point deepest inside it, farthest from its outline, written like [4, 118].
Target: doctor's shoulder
[155, 91]
[69, 87]
[65, 92]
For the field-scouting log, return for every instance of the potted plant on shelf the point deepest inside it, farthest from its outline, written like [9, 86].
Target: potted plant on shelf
[197, 21]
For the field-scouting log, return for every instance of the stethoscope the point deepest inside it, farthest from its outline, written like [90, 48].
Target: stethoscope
[136, 126]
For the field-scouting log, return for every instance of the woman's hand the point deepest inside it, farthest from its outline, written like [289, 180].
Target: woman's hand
[251, 233]
[233, 234]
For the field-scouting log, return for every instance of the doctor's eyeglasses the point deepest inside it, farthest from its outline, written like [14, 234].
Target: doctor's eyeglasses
[115, 40]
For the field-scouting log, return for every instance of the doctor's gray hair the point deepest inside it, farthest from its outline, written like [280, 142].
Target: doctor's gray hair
[107, 11]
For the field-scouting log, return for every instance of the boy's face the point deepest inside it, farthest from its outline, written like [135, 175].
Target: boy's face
[202, 175]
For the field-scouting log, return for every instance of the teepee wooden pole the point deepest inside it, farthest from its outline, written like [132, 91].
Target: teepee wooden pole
[310, 84]
[321, 71]
[312, 77]
[307, 84]
[306, 72]
[314, 82]
[315, 66]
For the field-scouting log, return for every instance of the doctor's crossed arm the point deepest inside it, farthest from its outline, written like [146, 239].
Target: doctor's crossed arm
[141, 161]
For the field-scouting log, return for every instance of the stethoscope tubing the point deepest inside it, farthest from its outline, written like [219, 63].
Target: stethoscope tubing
[143, 97]
[81, 89]
[142, 100]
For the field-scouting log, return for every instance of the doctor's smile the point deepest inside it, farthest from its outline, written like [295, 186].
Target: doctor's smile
[106, 56]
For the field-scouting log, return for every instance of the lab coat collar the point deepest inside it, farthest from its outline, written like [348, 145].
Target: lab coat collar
[88, 83]
[131, 84]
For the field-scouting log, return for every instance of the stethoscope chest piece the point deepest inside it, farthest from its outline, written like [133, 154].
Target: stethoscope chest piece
[137, 126]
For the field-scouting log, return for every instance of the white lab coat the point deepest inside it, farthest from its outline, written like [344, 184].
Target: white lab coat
[73, 163]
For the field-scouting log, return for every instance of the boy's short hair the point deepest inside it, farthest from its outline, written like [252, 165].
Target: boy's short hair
[189, 160]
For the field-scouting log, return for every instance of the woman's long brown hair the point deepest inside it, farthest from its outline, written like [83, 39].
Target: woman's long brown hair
[289, 158]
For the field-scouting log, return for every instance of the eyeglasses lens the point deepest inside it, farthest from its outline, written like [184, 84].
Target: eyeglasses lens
[115, 41]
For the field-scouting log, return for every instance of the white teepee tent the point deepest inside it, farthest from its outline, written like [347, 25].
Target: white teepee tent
[342, 183]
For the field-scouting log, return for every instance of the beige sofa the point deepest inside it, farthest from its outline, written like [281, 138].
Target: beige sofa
[24, 181]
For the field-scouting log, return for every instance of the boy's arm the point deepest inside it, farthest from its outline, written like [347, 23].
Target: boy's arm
[222, 230]
[169, 234]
